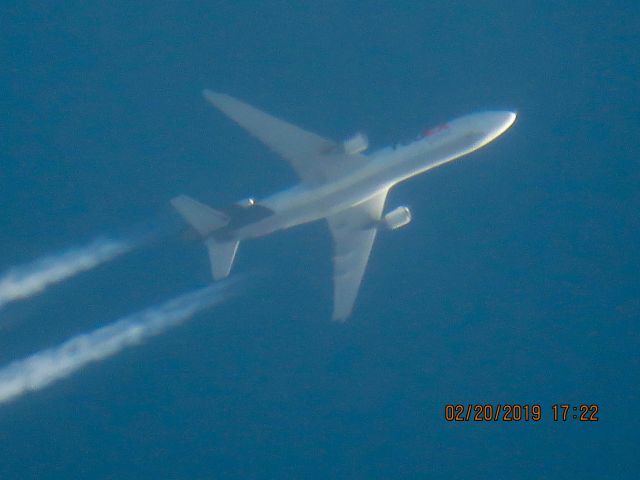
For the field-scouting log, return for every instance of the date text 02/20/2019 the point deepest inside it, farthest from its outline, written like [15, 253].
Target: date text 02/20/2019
[516, 412]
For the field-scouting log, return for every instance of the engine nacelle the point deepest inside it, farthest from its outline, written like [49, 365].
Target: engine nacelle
[397, 218]
[356, 144]
[246, 202]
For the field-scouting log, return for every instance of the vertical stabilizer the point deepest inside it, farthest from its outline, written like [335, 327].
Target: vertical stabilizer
[221, 255]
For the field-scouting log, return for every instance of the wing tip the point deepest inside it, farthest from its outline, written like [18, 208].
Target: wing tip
[340, 316]
[212, 96]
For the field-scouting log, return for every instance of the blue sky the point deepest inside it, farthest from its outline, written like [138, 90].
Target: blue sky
[516, 282]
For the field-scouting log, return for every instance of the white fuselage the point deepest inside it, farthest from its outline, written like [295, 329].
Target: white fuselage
[385, 168]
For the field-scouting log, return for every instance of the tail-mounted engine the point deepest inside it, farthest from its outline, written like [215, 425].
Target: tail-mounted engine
[396, 218]
[246, 202]
[356, 144]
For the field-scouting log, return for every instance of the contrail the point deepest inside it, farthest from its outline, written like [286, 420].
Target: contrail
[47, 366]
[26, 280]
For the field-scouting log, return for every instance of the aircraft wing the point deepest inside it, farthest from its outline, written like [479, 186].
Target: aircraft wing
[354, 231]
[314, 158]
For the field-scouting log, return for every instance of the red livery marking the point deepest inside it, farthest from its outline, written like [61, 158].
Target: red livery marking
[435, 130]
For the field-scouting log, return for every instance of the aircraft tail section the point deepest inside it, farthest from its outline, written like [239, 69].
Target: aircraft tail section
[202, 218]
[221, 255]
[206, 221]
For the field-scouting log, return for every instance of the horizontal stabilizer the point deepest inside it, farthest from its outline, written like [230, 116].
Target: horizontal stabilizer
[201, 217]
[221, 255]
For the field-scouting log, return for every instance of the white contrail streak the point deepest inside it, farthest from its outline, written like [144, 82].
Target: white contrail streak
[26, 280]
[45, 367]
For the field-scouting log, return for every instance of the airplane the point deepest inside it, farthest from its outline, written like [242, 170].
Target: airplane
[337, 183]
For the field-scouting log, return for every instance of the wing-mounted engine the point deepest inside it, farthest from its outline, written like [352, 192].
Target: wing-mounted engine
[396, 218]
[356, 144]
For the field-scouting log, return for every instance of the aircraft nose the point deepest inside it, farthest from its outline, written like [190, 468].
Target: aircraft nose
[509, 118]
[496, 123]
[500, 120]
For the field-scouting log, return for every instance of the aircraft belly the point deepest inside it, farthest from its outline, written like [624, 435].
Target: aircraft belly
[300, 205]
[313, 205]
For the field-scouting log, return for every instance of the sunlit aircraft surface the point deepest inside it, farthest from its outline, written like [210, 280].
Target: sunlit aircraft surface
[338, 183]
